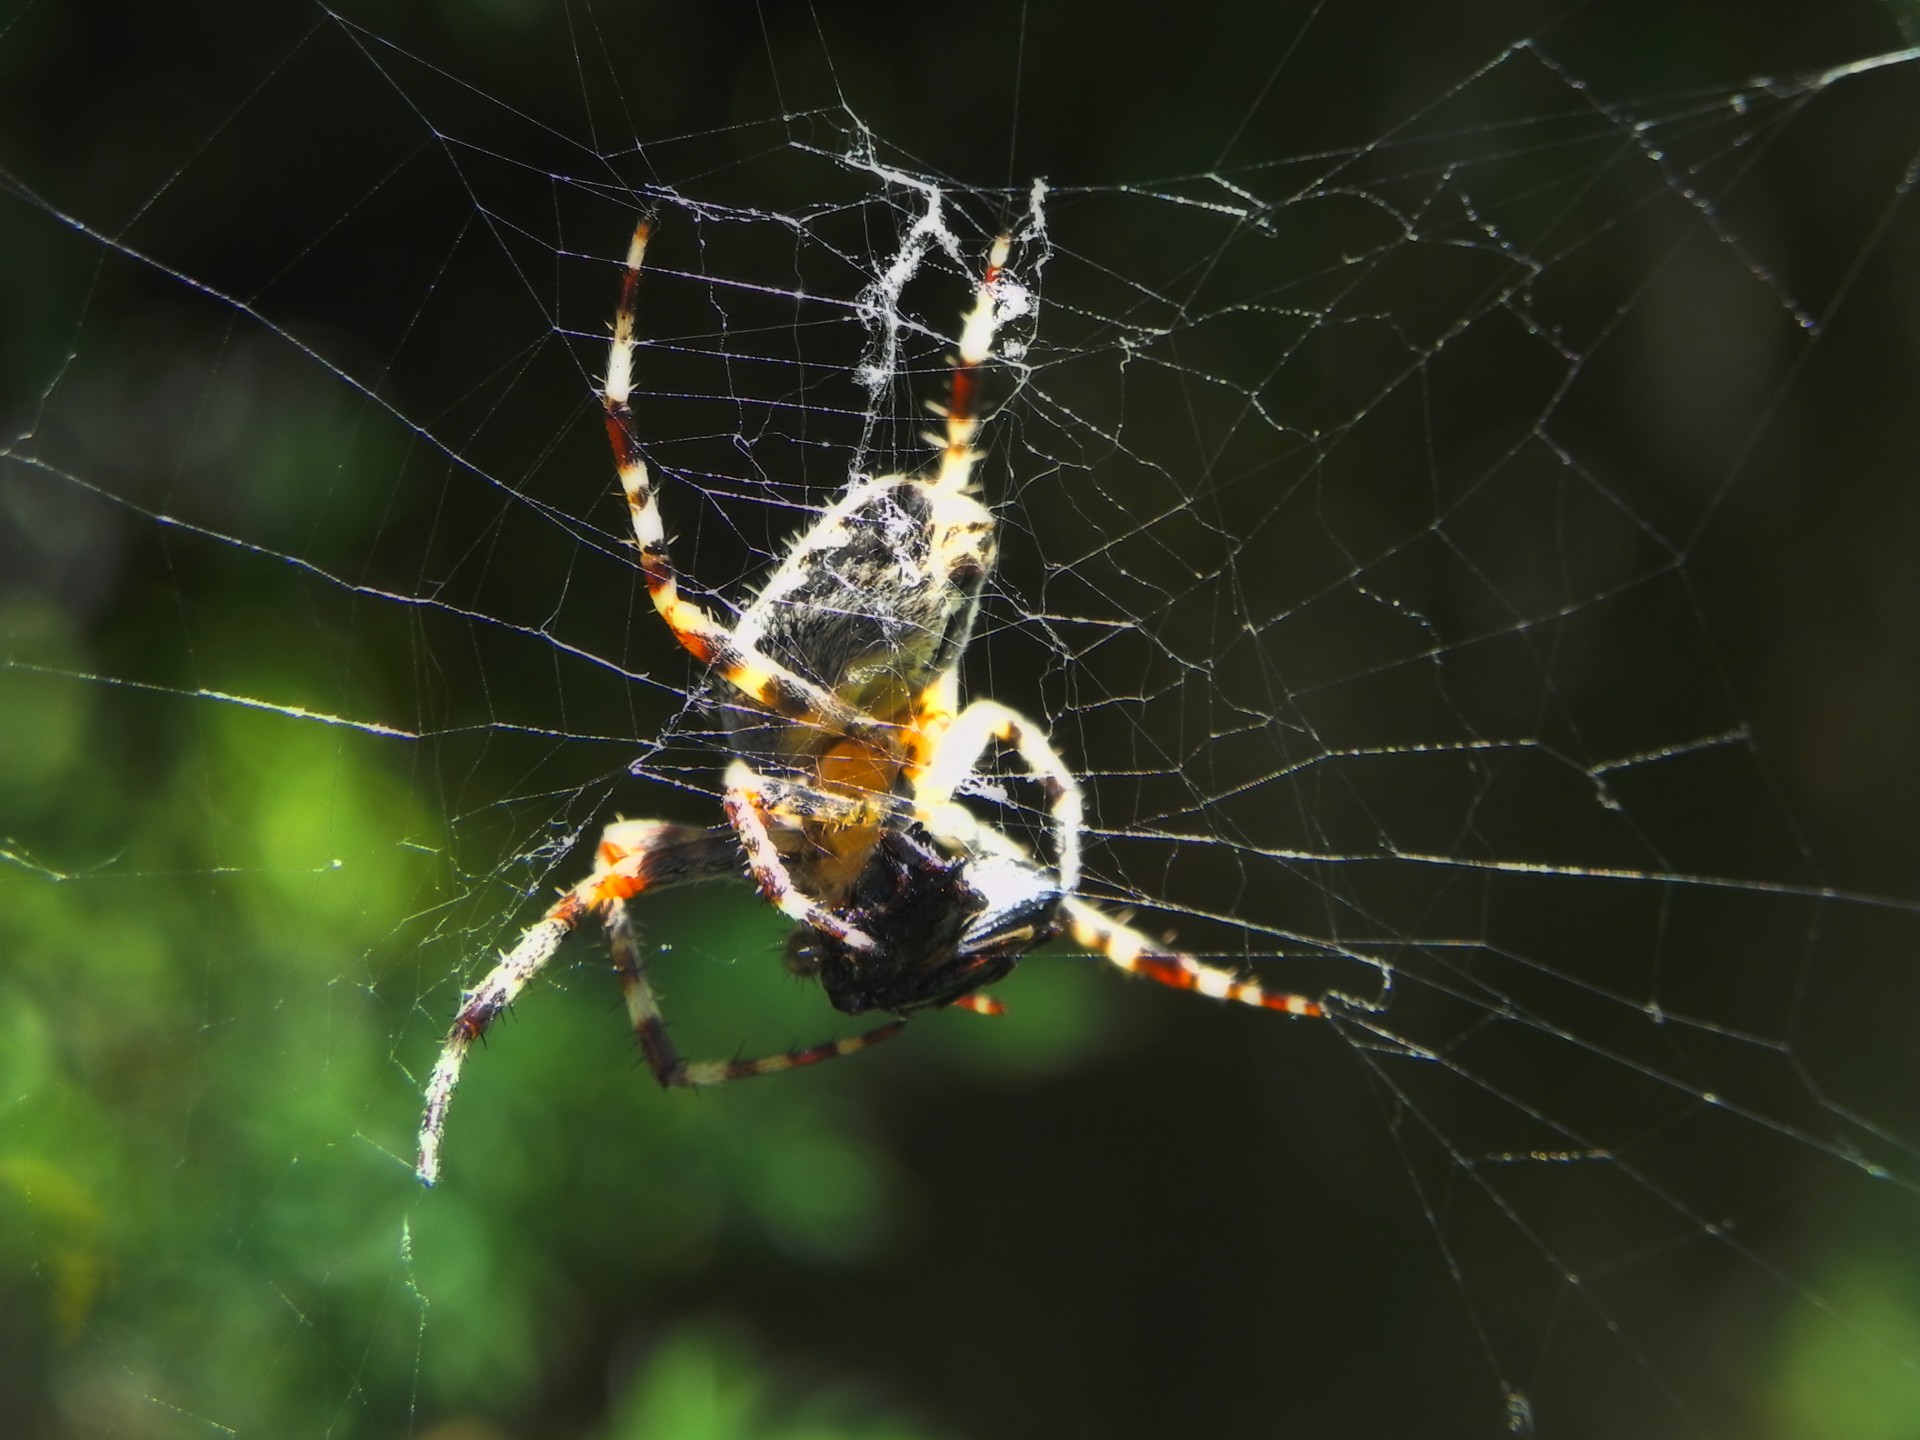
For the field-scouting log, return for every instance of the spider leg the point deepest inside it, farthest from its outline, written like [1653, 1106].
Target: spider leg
[958, 456]
[643, 1009]
[764, 681]
[956, 755]
[1095, 930]
[1132, 951]
[966, 544]
[747, 809]
[980, 1003]
[633, 856]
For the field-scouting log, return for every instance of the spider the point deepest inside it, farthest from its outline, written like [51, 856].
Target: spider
[850, 742]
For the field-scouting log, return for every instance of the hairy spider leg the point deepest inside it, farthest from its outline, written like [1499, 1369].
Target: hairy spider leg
[952, 486]
[643, 1010]
[1126, 947]
[956, 755]
[1119, 943]
[764, 681]
[748, 810]
[977, 332]
[633, 856]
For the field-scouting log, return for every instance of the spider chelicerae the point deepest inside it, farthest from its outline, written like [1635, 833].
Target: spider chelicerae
[850, 744]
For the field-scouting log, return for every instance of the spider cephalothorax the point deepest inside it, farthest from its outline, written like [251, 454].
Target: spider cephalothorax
[943, 926]
[850, 744]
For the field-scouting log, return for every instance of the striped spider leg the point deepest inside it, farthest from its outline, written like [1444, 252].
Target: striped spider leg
[633, 858]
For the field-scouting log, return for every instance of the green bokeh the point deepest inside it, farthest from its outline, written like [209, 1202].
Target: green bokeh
[1839, 1382]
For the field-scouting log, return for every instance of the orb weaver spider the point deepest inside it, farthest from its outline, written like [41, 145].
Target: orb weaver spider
[850, 743]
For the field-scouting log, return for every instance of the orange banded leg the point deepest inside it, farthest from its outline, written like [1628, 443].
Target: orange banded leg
[747, 809]
[1132, 951]
[958, 455]
[643, 1009]
[633, 856]
[980, 1003]
[764, 681]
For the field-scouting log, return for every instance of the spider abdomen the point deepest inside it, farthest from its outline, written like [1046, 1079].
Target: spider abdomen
[879, 597]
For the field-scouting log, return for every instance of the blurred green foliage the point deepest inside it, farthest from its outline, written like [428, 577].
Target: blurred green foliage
[1839, 1383]
[212, 1049]
[703, 1388]
[212, 1087]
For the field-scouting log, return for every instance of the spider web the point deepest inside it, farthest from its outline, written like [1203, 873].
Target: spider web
[1456, 515]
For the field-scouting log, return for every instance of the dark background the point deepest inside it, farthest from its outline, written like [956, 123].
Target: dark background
[1505, 454]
